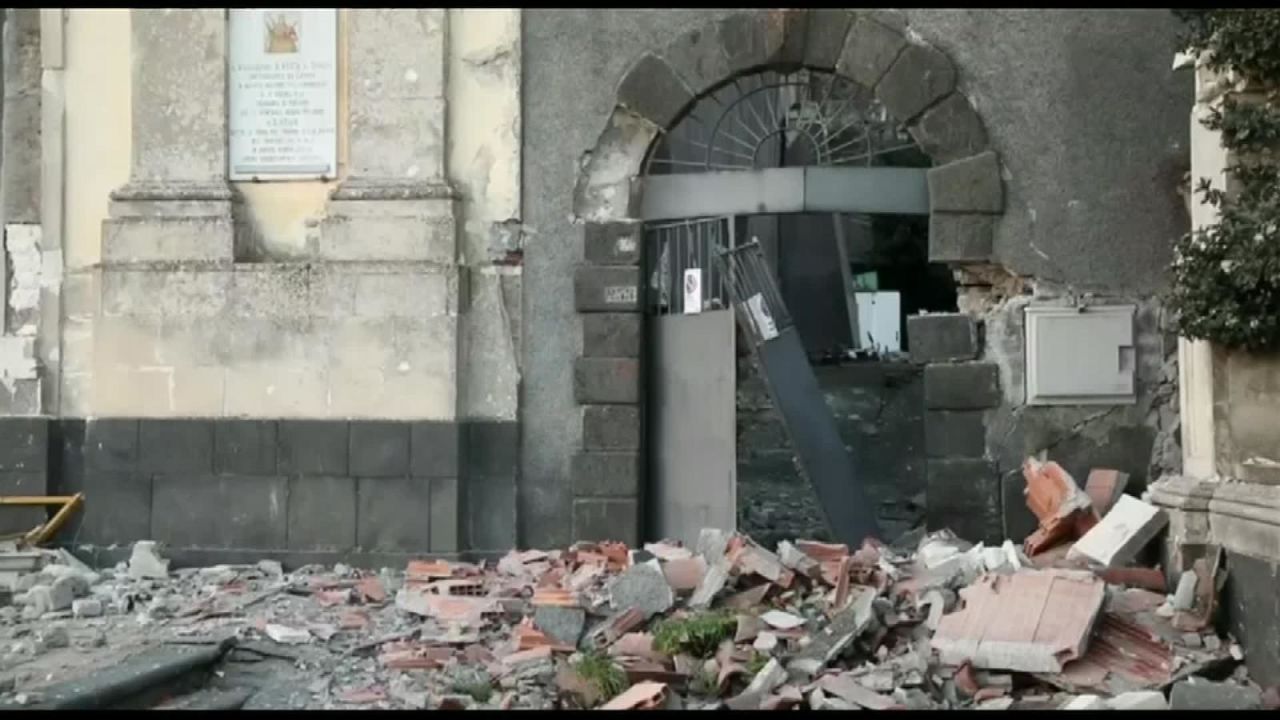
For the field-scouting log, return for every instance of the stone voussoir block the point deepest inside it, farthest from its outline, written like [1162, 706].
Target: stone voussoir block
[971, 185]
[606, 474]
[961, 386]
[612, 243]
[942, 337]
[607, 381]
[607, 289]
[611, 427]
[950, 130]
[919, 77]
[961, 237]
[611, 335]
[825, 36]
[869, 49]
[652, 90]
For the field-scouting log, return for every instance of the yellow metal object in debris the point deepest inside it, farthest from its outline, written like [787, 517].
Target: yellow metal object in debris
[42, 533]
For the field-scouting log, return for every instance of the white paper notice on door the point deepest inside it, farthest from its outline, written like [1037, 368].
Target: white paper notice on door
[761, 317]
[692, 291]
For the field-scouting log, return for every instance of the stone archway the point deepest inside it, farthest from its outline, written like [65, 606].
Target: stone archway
[916, 83]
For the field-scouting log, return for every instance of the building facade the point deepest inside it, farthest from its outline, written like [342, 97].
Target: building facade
[443, 342]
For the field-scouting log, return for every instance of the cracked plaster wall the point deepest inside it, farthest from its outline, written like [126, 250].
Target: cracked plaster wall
[1092, 129]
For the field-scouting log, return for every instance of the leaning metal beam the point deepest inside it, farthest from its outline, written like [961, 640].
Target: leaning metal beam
[880, 190]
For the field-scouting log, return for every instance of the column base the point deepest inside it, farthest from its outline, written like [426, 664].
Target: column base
[372, 220]
[170, 222]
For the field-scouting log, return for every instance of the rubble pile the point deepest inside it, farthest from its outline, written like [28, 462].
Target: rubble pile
[930, 622]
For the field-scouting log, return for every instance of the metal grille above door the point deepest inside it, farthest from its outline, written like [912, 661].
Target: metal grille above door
[672, 250]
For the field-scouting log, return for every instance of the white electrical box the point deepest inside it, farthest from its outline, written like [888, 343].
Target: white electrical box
[1080, 356]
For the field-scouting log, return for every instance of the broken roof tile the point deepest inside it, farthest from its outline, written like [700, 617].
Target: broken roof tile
[1030, 621]
[427, 570]
[1122, 655]
[554, 597]
[641, 696]
[1064, 510]
[821, 551]
[684, 575]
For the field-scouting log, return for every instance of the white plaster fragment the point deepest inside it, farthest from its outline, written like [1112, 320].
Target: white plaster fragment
[403, 367]
[412, 171]
[22, 245]
[411, 75]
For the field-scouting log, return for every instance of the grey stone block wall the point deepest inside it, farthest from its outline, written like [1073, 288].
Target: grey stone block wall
[304, 491]
[964, 490]
[607, 474]
[23, 470]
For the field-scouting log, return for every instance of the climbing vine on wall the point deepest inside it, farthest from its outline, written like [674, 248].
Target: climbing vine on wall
[1226, 277]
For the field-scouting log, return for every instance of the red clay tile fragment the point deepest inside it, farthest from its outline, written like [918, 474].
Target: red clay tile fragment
[370, 588]
[1031, 621]
[966, 681]
[524, 656]
[353, 620]
[1104, 487]
[554, 597]
[425, 570]
[329, 598]
[1137, 577]
[822, 551]
[683, 575]
[363, 696]
[747, 599]
[1065, 512]
[1122, 655]
[646, 695]
[667, 551]
[617, 625]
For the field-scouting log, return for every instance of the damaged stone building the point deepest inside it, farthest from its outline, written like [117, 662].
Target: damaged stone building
[443, 314]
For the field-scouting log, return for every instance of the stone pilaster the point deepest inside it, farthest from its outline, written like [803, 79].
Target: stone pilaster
[394, 202]
[177, 205]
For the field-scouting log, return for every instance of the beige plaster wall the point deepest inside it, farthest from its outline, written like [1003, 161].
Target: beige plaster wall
[365, 338]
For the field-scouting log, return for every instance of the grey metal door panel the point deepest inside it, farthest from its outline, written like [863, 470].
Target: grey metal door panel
[693, 448]
[824, 460]
[815, 438]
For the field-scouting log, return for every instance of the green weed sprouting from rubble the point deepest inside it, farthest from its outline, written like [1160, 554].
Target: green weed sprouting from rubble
[480, 691]
[599, 670]
[698, 635]
[756, 663]
[1226, 277]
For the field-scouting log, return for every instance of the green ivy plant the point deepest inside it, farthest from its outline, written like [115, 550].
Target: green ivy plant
[1226, 277]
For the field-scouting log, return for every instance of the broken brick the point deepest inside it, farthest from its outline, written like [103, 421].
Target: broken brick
[554, 597]
[641, 696]
[370, 588]
[1065, 512]
[424, 570]
[684, 575]
[1104, 488]
[822, 551]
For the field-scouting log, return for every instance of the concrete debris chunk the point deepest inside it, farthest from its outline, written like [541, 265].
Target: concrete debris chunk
[286, 635]
[1085, 702]
[644, 588]
[145, 561]
[1122, 534]
[713, 581]
[1184, 597]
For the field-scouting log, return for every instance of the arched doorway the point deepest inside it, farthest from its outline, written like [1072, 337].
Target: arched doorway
[845, 246]
[619, 188]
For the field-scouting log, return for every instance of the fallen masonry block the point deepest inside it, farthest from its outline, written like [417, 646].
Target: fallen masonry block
[684, 574]
[1200, 694]
[564, 624]
[1122, 534]
[1030, 621]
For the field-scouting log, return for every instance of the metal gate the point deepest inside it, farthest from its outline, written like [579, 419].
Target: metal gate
[692, 405]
